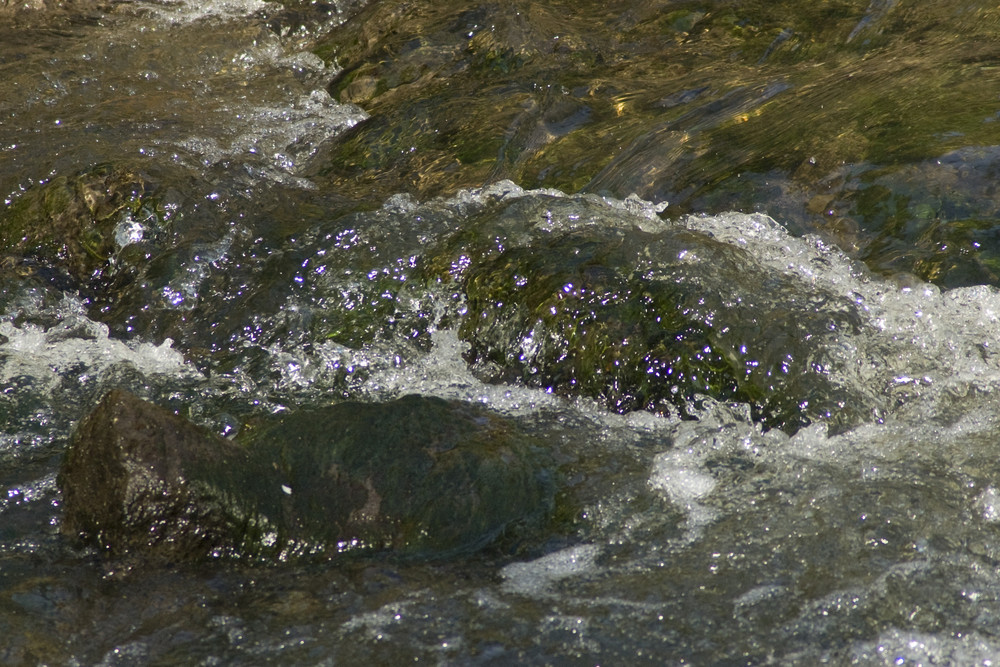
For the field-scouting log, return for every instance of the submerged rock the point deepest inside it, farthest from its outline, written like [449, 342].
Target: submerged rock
[132, 480]
[782, 106]
[641, 314]
[422, 477]
[78, 223]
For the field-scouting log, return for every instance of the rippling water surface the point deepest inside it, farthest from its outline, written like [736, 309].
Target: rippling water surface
[292, 197]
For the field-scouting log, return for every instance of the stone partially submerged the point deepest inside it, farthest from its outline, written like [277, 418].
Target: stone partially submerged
[72, 222]
[421, 477]
[570, 295]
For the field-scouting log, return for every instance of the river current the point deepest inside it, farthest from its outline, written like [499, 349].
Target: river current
[708, 539]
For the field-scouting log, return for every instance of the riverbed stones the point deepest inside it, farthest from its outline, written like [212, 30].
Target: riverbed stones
[420, 477]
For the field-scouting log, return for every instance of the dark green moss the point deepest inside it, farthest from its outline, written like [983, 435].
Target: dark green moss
[644, 320]
[70, 221]
[558, 315]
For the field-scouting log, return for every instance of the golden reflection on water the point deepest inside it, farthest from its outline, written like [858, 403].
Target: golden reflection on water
[748, 106]
[831, 116]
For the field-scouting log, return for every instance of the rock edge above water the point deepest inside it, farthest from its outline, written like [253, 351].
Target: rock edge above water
[421, 477]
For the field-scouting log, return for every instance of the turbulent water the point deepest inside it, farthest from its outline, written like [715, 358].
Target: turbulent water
[707, 540]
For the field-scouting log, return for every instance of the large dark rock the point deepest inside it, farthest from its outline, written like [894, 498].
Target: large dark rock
[132, 481]
[422, 477]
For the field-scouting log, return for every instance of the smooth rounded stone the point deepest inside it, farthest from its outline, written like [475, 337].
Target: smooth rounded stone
[420, 477]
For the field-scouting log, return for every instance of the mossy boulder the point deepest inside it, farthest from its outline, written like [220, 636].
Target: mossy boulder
[649, 315]
[420, 477]
[71, 221]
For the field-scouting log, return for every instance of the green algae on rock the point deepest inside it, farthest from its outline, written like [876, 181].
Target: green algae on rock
[421, 477]
[581, 297]
[78, 223]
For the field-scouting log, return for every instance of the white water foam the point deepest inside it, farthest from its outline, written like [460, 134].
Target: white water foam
[77, 344]
[281, 139]
[189, 12]
[918, 339]
[378, 625]
[914, 649]
[445, 374]
[537, 577]
[256, 100]
[988, 504]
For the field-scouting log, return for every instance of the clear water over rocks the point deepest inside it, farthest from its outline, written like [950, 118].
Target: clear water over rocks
[731, 264]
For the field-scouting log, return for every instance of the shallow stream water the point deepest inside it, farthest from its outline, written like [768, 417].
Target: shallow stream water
[296, 186]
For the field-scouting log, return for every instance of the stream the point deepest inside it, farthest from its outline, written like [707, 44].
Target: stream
[289, 205]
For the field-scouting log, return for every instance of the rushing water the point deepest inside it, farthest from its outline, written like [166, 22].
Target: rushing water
[266, 275]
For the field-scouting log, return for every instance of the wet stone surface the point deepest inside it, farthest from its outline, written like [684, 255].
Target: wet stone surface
[80, 223]
[419, 477]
